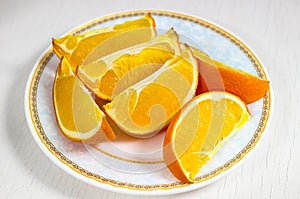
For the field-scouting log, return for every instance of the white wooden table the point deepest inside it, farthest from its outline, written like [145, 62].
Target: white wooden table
[271, 28]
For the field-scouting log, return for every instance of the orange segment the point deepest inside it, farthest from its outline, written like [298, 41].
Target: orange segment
[77, 48]
[112, 74]
[143, 109]
[216, 76]
[199, 130]
[77, 114]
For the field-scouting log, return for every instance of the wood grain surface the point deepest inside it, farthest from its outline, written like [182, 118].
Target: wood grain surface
[270, 27]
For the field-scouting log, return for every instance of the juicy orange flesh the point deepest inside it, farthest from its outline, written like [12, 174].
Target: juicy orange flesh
[138, 67]
[119, 41]
[65, 46]
[62, 104]
[86, 45]
[75, 108]
[77, 48]
[108, 80]
[179, 79]
[146, 21]
[144, 112]
[159, 109]
[86, 113]
[146, 56]
[207, 124]
[152, 102]
[110, 75]
[182, 67]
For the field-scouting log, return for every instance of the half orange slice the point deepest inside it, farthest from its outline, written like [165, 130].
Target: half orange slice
[199, 130]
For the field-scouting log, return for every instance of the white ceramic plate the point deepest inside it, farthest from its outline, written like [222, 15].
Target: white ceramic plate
[131, 165]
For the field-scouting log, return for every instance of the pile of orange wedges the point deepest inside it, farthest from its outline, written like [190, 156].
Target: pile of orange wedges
[128, 77]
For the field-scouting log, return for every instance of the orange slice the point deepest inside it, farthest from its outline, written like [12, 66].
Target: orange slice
[143, 109]
[77, 48]
[112, 74]
[216, 76]
[77, 114]
[198, 131]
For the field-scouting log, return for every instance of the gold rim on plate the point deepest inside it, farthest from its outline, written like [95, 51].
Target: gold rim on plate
[33, 86]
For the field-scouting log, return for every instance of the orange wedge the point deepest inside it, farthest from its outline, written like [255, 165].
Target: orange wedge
[143, 109]
[78, 116]
[198, 131]
[76, 48]
[216, 76]
[112, 74]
